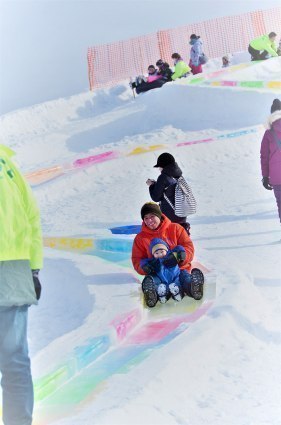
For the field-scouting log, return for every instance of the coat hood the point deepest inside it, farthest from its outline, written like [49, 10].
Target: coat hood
[172, 170]
[275, 116]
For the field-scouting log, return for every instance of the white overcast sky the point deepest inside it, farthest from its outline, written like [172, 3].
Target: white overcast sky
[43, 43]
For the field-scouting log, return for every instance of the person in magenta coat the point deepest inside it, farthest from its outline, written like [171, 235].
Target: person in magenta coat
[271, 154]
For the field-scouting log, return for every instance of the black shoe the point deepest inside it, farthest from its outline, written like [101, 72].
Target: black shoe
[149, 292]
[196, 285]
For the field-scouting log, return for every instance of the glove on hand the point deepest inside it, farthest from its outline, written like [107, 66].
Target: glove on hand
[152, 266]
[266, 184]
[37, 284]
[181, 256]
[170, 260]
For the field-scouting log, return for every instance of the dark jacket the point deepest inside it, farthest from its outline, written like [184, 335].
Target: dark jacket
[166, 71]
[166, 182]
[145, 86]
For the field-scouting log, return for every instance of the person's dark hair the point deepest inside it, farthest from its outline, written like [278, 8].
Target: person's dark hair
[194, 36]
[272, 34]
[176, 56]
[159, 62]
[276, 106]
[151, 67]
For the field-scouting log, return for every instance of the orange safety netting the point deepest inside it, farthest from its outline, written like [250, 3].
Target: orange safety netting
[111, 63]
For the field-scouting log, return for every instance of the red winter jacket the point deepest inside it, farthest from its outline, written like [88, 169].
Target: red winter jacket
[172, 233]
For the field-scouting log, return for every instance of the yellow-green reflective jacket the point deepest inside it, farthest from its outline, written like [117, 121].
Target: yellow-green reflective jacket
[263, 43]
[20, 228]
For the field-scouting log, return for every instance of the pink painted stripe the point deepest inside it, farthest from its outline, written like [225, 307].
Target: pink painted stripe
[94, 159]
[195, 142]
[154, 332]
[229, 83]
[124, 323]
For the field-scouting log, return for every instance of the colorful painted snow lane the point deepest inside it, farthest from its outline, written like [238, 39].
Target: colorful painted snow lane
[36, 178]
[130, 338]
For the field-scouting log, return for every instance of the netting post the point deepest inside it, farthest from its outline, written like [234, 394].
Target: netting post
[90, 58]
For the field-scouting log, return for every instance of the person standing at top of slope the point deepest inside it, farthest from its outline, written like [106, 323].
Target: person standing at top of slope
[196, 54]
[165, 185]
[271, 154]
[157, 225]
[263, 47]
[181, 68]
[20, 261]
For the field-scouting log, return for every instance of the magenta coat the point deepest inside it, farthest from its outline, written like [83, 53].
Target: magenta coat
[271, 150]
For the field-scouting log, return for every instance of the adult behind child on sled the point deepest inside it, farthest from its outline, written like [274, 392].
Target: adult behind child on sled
[172, 238]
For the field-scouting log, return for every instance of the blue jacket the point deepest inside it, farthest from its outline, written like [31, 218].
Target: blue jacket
[168, 275]
[165, 274]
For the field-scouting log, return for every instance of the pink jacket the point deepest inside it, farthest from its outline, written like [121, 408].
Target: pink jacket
[152, 78]
[271, 150]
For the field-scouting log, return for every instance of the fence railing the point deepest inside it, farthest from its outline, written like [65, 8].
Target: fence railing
[111, 63]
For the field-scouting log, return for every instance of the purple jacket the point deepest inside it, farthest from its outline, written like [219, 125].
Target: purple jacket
[271, 150]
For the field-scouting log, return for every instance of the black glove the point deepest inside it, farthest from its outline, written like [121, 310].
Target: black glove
[152, 266]
[170, 260]
[180, 255]
[37, 284]
[266, 184]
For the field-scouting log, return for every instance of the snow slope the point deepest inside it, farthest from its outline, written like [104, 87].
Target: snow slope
[98, 356]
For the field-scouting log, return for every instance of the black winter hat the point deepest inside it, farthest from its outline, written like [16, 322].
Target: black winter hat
[276, 106]
[164, 159]
[151, 208]
[159, 62]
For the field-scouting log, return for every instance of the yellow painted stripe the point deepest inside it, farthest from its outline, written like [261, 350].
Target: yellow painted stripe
[141, 149]
[274, 84]
[73, 244]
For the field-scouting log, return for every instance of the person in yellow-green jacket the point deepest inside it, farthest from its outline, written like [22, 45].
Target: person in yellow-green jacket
[181, 68]
[21, 259]
[263, 47]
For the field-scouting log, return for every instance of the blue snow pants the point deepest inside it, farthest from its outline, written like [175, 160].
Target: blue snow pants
[16, 382]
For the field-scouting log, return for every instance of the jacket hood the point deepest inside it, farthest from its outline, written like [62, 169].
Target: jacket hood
[172, 170]
[194, 41]
[7, 151]
[275, 116]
